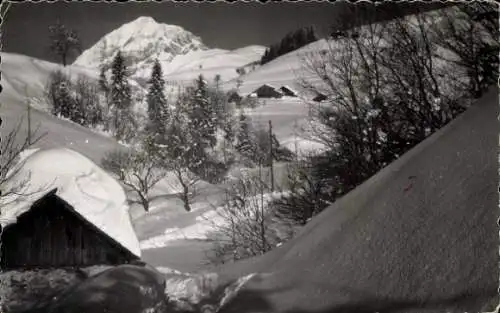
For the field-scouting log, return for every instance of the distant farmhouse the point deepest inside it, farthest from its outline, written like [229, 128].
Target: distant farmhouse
[267, 91]
[63, 226]
[320, 98]
[287, 91]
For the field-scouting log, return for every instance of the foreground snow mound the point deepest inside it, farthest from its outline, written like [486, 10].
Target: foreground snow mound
[201, 292]
[87, 188]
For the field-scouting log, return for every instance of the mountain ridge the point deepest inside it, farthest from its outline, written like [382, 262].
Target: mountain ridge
[143, 40]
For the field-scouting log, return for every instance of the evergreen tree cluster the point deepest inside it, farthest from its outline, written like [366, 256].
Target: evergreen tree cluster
[77, 102]
[291, 42]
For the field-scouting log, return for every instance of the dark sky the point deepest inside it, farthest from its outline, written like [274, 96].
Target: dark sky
[220, 25]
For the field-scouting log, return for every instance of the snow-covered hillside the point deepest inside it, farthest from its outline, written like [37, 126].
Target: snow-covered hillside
[210, 63]
[25, 79]
[283, 70]
[288, 68]
[182, 54]
[24, 76]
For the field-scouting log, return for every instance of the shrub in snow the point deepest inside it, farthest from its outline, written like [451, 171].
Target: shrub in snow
[242, 227]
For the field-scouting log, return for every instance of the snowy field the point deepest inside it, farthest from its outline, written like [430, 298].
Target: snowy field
[204, 225]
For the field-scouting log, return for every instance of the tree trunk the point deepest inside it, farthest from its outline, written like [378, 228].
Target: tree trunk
[185, 198]
[271, 167]
[145, 203]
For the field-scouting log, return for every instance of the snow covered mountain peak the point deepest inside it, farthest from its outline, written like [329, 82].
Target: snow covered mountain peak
[141, 41]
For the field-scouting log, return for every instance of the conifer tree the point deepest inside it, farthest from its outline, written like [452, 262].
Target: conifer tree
[202, 115]
[65, 101]
[103, 81]
[157, 103]
[244, 139]
[122, 120]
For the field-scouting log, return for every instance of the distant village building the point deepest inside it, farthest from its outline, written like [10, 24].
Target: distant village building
[320, 98]
[287, 91]
[234, 97]
[56, 224]
[267, 91]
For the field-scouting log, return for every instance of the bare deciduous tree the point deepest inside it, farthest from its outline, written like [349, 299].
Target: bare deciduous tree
[305, 196]
[179, 154]
[63, 41]
[138, 170]
[12, 145]
[473, 44]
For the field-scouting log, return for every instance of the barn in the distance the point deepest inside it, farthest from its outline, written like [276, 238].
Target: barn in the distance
[267, 91]
[68, 213]
[320, 97]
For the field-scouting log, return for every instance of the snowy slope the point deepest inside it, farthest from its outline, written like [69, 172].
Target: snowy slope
[81, 183]
[385, 248]
[182, 54]
[280, 71]
[211, 63]
[286, 69]
[23, 75]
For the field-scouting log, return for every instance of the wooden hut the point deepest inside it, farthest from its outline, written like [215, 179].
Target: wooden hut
[70, 213]
[53, 234]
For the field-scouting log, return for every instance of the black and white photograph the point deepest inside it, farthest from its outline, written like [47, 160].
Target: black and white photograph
[249, 157]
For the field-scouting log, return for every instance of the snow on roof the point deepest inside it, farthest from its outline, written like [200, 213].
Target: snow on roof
[286, 87]
[92, 192]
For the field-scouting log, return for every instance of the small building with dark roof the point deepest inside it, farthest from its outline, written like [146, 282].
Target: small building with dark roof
[64, 213]
[53, 234]
[320, 98]
[267, 91]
